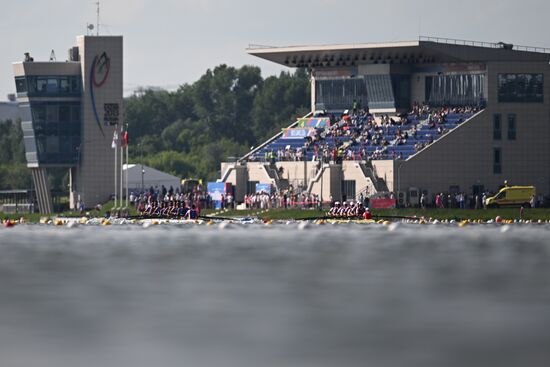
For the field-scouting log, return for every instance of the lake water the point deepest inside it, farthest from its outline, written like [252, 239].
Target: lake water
[281, 295]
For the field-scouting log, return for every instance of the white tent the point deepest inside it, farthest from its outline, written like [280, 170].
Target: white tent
[151, 177]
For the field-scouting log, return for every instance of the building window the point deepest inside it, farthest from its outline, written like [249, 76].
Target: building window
[511, 126]
[520, 88]
[52, 85]
[455, 90]
[497, 127]
[497, 159]
[57, 130]
[339, 94]
[251, 187]
[348, 190]
[21, 85]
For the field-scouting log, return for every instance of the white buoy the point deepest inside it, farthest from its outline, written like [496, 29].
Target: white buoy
[393, 226]
[224, 225]
[504, 229]
[302, 226]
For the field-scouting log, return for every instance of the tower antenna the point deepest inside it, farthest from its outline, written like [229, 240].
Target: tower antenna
[97, 22]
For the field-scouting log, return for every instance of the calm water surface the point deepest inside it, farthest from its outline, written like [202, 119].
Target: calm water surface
[333, 295]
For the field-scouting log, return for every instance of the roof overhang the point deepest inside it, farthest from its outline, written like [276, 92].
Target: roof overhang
[22, 68]
[409, 52]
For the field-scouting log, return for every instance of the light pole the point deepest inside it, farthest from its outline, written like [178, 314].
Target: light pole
[142, 170]
[305, 164]
[322, 179]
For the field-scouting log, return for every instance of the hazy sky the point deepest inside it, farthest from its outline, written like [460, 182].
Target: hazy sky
[171, 42]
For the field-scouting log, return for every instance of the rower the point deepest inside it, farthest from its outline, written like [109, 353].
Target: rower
[350, 212]
[192, 213]
[174, 210]
[183, 211]
[342, 210]
[334, 209]
[360, 210]
[367, 214]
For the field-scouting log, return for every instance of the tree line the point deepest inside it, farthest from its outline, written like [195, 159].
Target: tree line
[189, 131]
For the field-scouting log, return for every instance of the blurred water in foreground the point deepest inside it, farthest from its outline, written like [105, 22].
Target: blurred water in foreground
[333, 295]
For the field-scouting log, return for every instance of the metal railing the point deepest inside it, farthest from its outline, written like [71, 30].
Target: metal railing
[253, 46]
[452, 41]
[273, 138]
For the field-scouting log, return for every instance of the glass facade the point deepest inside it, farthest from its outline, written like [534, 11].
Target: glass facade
[339, 94]
[21, 85]
[51, 133]
[401, 85]
[375, 91]
[34, 86]
[520, 88]
[455, 90]
[380, 91]
[348, 190]
[56, 128]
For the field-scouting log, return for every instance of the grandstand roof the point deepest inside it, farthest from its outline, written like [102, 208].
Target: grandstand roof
[424, 50]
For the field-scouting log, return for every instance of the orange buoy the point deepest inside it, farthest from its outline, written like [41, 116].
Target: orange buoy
[8, 223]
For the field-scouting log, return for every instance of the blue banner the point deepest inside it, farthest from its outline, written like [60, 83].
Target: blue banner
[297, 133]
[263, 187]
[216, 190]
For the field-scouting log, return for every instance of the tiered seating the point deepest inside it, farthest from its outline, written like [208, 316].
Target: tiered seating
[425, 134]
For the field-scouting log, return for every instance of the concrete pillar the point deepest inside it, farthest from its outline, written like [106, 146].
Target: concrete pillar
[336, 181]
[43, 192]
[241, 174]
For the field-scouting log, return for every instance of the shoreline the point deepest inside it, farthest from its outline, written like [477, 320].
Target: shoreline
[406, 214]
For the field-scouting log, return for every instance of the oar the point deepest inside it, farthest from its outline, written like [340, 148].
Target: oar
[217, 218]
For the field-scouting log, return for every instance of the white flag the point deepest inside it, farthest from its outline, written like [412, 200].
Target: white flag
[114, 144]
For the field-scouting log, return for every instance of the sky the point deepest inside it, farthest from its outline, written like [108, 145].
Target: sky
[171, 42]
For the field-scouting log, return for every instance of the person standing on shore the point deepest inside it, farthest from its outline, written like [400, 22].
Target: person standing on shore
[521, 211]
[423, 201]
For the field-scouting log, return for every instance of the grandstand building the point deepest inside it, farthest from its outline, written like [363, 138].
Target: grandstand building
[487, 121]
[70, 110]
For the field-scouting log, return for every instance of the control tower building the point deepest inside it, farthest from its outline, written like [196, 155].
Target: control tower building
[70, 112]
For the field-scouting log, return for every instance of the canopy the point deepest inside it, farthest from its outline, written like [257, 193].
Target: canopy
[151, 177]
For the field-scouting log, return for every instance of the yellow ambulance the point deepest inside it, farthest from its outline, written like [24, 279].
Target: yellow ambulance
[512, 195]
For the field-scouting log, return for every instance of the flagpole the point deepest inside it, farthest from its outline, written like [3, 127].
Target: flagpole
[116, 169]
[126, 174]
[121, 166]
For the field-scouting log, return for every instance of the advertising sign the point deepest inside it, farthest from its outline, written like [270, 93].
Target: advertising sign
[263, 187]
[314, 122]
[216, 190]
[382, 203]
[297, 133]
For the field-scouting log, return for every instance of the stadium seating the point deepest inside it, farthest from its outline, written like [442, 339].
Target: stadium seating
[427, 132]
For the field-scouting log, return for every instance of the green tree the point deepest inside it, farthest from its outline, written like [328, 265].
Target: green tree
[279, 102]
[188, 132]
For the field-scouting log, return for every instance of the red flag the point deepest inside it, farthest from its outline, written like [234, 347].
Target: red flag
[125, 138]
